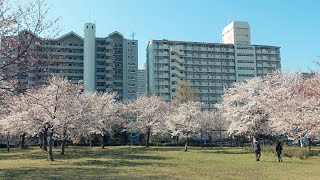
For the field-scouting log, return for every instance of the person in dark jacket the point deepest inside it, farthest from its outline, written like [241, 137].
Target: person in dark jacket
[279, 151]
[257, 149]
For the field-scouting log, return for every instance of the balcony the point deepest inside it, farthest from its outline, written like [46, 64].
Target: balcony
[177, 73]
[176, 65]
[109, 47]
[177, 50]
[177, 58]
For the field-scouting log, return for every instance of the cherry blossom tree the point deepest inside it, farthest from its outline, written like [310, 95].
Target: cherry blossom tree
[3, 114]
[4, 131]
[185, 120]
[16, 121]
[150, 113]
[211, 123]
[50, 108]
[128, 119]
[282, 103]
[99, 112]
[242, 109]
[22, 50]
[109, 115]
[298, 98]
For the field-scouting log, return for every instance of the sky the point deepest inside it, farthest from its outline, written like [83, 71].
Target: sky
[294, 25]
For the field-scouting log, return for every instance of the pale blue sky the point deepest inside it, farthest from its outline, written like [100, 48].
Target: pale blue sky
[294, 25]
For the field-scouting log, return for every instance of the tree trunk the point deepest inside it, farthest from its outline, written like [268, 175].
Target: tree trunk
[8, 143]
[220, 138]
[131, 139]
[102, 141]
[201, 139]
[50, 153]
[63, 144]
[186, 145]
[270, 141]
[210, 137]
[23, 138]
[45, 139]
[90, 141]
[158, 140]
[300, 141]
[177, 139]
[308, 144]
[41, 139]
[148, 138]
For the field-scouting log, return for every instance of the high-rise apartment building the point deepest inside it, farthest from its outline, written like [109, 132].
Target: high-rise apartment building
[142, 80]
[107, 64]
[208, 66]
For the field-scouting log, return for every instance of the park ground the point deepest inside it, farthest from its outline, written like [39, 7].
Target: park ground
[124, 162]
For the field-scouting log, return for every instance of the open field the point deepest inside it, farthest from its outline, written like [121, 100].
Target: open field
[124, 162]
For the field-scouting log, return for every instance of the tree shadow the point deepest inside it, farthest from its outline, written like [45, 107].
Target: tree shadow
[226, 152]
[125, 152]
[23, 154]
[115, 163]
[118, 153]
[71, 173]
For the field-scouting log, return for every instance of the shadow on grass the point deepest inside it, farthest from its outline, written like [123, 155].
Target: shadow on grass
[226, 152]
[125, 152]
[115, 163]
[114, 153]
[71, 173]
[23, 154]
[138, 153]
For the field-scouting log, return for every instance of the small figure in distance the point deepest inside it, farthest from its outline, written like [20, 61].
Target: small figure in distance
[257, 149]
[279, 151]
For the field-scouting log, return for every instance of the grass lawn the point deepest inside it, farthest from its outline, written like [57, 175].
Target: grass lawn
[137, 162]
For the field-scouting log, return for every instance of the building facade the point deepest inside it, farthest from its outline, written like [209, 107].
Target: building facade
[142, 80]
[208, 66]
[108, 64]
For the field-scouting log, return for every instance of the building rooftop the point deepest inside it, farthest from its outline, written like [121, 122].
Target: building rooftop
[198, 42]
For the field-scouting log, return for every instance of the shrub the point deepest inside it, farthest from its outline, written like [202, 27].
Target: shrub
[3, 146]
[299, 152]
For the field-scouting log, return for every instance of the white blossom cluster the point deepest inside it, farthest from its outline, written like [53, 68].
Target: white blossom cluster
[279, 104]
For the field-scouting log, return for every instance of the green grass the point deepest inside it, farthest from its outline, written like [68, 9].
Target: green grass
[124, 162]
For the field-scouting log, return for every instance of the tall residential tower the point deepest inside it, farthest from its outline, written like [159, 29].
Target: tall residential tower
[105, 64]
[208, 66]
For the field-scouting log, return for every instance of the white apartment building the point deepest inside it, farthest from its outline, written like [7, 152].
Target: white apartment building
[142, 80]
[114, 61]
[208, 66]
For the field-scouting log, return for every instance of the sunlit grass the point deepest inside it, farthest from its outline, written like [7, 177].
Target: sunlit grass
[155, 162]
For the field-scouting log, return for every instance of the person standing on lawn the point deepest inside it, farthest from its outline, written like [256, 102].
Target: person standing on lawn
[279, 151]
[257, 149]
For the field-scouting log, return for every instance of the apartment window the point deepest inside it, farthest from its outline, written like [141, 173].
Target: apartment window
[246, 61]
[246, 48]
[245, 68]
[245, 54]
[246, 75]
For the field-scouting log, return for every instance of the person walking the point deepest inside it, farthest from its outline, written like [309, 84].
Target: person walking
[257, 149]
[279, 151]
